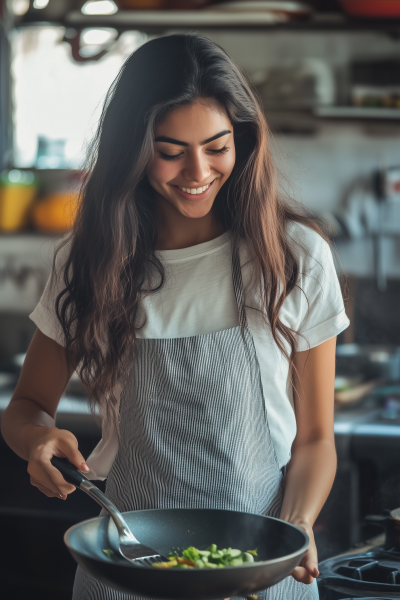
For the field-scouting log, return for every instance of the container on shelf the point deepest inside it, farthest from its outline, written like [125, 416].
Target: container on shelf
[56, 212]
[384, 9]
[141, 4]
[162, 4]
[17, 192]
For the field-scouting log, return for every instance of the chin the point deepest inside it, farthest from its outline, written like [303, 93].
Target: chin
[194, 212]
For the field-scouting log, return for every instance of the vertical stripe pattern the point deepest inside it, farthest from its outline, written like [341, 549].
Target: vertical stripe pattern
[194, 434]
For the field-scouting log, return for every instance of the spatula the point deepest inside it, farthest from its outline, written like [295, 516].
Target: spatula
[129, 546]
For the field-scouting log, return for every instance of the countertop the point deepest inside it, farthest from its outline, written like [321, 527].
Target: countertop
[365, 419]
[73, 413]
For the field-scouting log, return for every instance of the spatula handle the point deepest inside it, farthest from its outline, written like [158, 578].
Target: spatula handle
[72, 475]
[68, 471]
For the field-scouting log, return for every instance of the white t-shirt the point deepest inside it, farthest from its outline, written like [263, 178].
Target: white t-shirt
[198, 297]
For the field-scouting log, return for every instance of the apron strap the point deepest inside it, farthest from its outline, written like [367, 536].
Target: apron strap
[238, 286]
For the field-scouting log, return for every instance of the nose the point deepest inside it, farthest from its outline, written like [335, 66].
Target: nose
[196, 168]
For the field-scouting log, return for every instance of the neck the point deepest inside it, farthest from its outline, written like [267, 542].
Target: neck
[175, 231]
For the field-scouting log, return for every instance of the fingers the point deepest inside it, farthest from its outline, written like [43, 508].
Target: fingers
[72, 453]
[46, 491]
[302, 575]
[310, 560]
[48, 479]
[307, 571]
[43, 472]
[311, 567]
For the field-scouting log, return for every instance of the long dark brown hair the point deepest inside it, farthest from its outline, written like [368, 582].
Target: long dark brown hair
[112, 244]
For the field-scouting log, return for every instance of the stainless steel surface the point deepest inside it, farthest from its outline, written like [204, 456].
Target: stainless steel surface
[129, 546]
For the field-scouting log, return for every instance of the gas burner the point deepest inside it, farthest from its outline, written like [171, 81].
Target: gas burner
[375, 573]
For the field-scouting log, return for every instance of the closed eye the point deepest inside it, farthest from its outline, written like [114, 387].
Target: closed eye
[176, 156]
[220, 150]
[170, 156]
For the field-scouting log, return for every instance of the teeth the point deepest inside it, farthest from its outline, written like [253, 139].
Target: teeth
[195, 190]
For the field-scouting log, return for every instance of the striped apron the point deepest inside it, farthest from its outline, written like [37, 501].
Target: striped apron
[194, 434]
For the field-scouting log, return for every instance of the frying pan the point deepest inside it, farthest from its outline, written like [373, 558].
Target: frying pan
[280, 547]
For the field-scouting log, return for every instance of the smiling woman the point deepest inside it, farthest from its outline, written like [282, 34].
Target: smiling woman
[199, 309]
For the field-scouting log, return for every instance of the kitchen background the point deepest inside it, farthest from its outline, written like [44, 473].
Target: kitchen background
[328, 73]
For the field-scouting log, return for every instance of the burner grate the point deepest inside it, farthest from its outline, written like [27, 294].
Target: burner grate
[372, 571]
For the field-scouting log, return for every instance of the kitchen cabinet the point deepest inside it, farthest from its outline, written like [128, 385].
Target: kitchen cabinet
[35, 562]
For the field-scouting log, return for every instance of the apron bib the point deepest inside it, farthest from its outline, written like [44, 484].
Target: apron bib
[194, 434]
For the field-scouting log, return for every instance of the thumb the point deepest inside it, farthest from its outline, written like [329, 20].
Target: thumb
[311, 567]
[74, 456]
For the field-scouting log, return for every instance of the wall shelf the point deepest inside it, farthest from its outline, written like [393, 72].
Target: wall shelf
[357, 113]
[154, 21]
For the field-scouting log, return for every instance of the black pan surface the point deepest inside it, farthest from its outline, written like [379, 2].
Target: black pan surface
[280, 547]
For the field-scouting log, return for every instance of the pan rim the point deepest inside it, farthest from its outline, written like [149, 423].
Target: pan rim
[127, 564]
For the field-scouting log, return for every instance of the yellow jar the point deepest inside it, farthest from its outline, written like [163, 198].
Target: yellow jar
[17, 192]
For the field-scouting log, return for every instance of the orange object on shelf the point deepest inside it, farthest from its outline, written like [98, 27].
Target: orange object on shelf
[55, 213]
[17, 192]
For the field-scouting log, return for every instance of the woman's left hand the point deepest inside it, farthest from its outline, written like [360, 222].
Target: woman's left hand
[308, 568]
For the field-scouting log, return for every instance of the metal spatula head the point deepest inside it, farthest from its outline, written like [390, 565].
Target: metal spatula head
[129, 547]
[136, 552]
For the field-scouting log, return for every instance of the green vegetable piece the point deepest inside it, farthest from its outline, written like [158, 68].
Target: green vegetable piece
[173, 554]
[247, 557]
[212, 548]
[234, 553]
[236, 562]
[191, 553]
[204, 553]
[183, 566]
[253, 552]
[199, 564]
[210, 565]
[108, 552]
[216, 555]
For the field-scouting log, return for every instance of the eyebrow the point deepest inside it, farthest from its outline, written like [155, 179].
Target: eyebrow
[163, 138]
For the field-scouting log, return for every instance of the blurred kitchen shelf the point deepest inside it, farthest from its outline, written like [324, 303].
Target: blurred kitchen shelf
[23, 242]
[154, 21]
[308, 122]
[355, 112]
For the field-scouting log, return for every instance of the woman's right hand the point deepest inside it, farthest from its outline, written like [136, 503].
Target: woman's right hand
[46, 442]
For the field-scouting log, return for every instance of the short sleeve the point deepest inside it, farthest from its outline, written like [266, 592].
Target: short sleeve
[44, 315]
[320, 313]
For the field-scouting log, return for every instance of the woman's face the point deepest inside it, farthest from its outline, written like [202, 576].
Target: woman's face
[194, 154]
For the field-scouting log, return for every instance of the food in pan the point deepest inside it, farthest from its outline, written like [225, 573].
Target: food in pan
[212, 558]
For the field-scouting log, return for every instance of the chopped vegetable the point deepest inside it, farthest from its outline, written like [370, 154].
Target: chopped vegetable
[212, 558]
[108, 552]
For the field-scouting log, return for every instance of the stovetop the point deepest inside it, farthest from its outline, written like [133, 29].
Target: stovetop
[373, 574]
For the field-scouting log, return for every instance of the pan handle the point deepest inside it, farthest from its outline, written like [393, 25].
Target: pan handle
[72, 475]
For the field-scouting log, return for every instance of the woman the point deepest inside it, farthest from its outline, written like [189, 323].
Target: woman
[192, 302]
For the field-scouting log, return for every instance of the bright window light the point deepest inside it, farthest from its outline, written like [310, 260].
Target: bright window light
[58, 102]
[98, 37]
[40, 3]
[99, 7]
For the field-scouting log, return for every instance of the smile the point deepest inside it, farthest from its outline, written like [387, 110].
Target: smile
[199, 190]
[195, 194]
